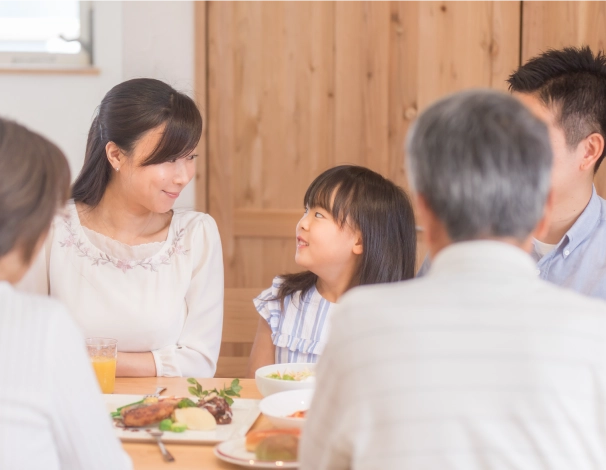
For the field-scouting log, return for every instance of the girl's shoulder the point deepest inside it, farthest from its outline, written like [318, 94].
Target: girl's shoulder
[270, 292]
[267, 300]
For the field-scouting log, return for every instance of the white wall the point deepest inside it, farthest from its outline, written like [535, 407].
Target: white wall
[132, 39]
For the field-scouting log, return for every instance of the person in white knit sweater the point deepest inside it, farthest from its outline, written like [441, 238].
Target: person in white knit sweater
[51, 412]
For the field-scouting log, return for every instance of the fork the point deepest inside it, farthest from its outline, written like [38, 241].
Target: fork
[166, 455]
[157, 393]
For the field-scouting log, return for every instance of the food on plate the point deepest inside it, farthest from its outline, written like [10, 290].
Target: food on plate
[298, 376]
[254, 438]
[225, 393]
[281, 447]
[168, 425]
[211, 408]
[145, 414]
[218, 408]
[217, 402]
[298, 414]
[178, 427]
[196, 419]
[165, 424]
[118, 414]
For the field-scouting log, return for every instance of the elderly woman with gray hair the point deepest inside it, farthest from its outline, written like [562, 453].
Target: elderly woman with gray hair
[479, 364]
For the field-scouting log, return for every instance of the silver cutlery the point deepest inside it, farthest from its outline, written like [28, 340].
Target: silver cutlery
[157, 393]
[157, 435]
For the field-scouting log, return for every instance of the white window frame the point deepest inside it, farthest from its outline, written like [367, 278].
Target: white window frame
[84, 58]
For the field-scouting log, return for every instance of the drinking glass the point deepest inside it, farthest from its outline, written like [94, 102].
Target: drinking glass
[103, 353]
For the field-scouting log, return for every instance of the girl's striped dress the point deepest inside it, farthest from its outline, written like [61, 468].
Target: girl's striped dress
[300, 330]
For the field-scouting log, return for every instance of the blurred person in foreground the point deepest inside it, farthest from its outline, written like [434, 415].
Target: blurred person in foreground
[479, 364]
[51, 412]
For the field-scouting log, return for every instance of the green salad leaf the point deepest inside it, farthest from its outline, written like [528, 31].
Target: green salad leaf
[226, 393]
[186, 403]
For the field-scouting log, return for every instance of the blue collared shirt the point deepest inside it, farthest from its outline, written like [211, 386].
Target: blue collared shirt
[579, 260]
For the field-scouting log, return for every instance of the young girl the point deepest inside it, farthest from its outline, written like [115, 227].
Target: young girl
[358, 228]
[126, 264]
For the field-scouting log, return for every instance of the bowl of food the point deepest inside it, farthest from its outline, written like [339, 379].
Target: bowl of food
[284, 377]
[287, 409]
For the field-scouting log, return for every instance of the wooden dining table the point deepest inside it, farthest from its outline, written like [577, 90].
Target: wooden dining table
[146, 455]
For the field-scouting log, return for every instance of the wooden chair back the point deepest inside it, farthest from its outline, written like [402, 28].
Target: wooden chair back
[240, 320]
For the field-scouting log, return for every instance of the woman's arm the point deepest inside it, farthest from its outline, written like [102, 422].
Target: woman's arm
[263, 351]
[197, 349]
[136, 365]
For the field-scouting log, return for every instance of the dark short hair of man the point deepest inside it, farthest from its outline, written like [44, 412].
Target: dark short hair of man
[482, 162]
[572, 83]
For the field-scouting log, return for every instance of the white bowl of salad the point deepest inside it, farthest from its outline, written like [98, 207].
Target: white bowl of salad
[284, 377]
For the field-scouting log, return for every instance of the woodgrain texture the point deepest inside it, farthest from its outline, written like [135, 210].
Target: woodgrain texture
[201, 89]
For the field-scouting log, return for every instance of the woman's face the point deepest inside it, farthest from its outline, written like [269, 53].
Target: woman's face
[154, 187]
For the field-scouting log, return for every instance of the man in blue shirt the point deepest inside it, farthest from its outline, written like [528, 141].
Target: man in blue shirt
[567, 89]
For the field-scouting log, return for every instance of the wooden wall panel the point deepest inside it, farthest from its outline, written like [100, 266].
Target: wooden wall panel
[280, 78]
[553, 25]
[464, 46]
[361, 84]
[221, 129]
[200, 48]
[437, 48]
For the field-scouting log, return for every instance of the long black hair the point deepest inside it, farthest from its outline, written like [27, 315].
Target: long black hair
[128, 111]
[382, 212]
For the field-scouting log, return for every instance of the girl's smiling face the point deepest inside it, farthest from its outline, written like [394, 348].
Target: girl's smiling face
[324, 247]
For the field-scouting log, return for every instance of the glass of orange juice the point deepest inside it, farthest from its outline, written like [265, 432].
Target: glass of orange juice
[103, 353]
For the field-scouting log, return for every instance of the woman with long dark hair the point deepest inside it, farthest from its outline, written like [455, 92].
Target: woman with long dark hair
[124, 262]
[358, 228]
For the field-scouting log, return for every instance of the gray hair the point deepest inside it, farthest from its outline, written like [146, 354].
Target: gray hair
[482, 162]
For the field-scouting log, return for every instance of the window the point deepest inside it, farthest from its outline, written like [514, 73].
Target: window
[46, 33]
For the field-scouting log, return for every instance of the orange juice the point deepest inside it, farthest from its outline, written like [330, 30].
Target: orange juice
[105, 368]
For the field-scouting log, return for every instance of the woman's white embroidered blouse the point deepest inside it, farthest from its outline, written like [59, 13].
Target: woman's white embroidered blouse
[164, 297]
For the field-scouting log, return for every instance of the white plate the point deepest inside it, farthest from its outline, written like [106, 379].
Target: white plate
[234, 451]
[245, 413]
